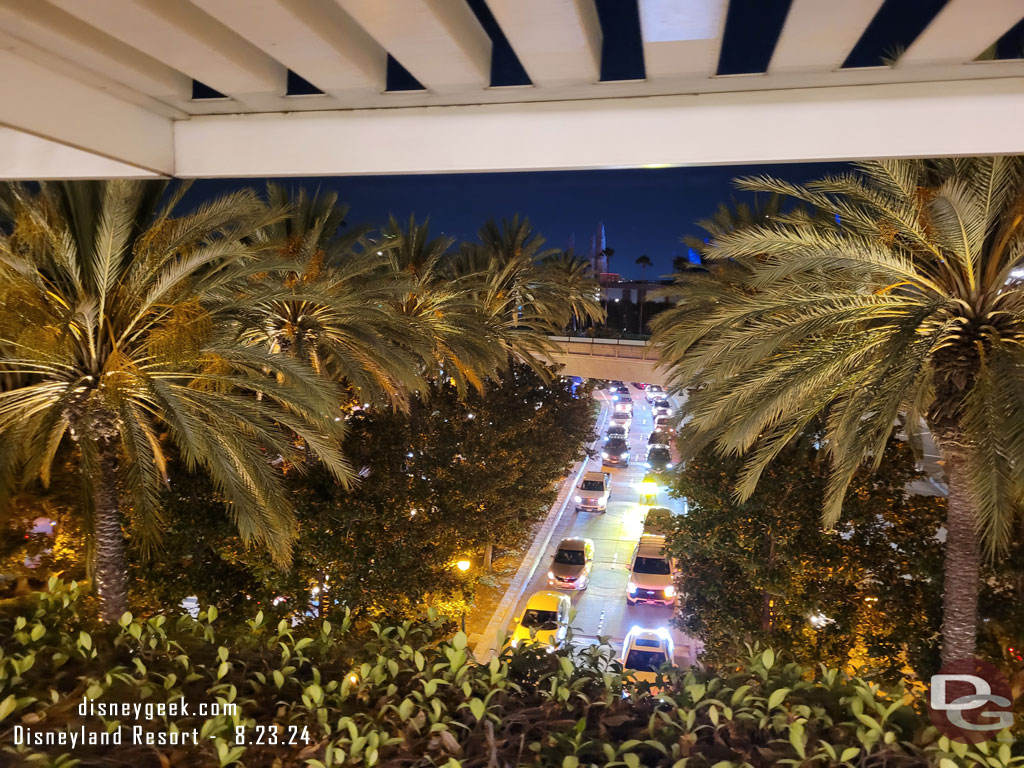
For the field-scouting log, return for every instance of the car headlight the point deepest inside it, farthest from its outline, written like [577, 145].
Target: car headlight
[515, 642]
[579, 499]
[615, 397]
[550, 649]
[601, 501]
[670, 591]
[624, 455]
[551, 575]
[631, 587]
[647, 464]
[669, 465]
[604, 454]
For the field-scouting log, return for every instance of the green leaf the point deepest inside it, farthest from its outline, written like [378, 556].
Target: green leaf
[211, 614]
[768, 658]
[460, 640]
[777, 697]
[570, 761]
[631, 759]
[126, 619]
[278, 678]
[477, 707]
[37, 632]
[851, 752]
[7, 706]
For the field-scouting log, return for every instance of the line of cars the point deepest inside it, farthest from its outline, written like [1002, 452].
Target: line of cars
[652, 571]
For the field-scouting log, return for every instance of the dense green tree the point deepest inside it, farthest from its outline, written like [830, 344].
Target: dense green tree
[122, 320]
[764, 570]
[466, 473]
[898, 296]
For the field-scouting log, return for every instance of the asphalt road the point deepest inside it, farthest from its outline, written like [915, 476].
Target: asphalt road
[601, 609]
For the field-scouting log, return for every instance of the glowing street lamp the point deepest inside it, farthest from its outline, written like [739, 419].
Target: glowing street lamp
[463, 565]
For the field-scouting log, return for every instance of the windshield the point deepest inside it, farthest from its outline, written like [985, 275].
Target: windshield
[658, 438]
[645, 661]
[661, 404]
[616, 444]
[616, 430]
[592, 485]
[534, 618]
[659, 452]
[653, 565]
[570, 557]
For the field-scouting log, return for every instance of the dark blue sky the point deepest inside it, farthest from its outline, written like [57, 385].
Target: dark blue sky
[645, 211]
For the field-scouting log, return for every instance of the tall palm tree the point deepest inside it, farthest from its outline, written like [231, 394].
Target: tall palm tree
[447, 329]
[334, 304]
[900, 306]
[124, 321]
[528, 291]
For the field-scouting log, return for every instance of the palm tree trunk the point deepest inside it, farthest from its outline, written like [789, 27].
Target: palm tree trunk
[109, 569]
[962, 562]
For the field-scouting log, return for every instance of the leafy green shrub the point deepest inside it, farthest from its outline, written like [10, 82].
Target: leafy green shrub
[406, 696]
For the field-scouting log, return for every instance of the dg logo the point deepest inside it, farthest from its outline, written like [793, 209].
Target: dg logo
[970, 701]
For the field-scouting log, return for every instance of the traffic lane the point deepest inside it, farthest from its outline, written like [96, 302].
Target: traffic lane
[601, 609]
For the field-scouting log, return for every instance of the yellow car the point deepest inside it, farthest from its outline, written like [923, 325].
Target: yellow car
[545, 620]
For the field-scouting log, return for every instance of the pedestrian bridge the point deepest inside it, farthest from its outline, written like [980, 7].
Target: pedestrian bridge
[606, 359]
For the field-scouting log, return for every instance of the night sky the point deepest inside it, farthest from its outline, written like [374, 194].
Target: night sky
[645, 211]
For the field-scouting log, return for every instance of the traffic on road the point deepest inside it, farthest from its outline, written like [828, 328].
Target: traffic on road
[606, 556]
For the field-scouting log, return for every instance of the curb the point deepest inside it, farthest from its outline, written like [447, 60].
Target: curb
[506, 607]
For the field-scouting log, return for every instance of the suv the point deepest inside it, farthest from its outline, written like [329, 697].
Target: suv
[659, 456]
[654, 392]
[662, 408]
[664, 424]
[616, 430]
[651, 573]
[624, 403]
[622, 418]
[615, 452]
[593, 492]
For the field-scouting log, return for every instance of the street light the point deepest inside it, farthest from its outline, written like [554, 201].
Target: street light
[463, 566]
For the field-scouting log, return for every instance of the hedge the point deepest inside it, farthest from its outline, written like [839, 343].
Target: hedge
[410, 695]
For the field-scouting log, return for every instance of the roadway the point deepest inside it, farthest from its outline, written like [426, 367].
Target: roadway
[601, 609]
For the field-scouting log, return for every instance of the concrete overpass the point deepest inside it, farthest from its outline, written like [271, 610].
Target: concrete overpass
[607, 359]
[204, 88]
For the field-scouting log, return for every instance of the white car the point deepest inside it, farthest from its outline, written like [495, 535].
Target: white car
[545, 620]
[593, 492]
[652, 573]
[662, 408]
[645, 651]
[654, 392]
[571, 566]
[623, 419]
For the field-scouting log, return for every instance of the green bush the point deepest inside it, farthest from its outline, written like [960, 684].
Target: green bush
[406, 696]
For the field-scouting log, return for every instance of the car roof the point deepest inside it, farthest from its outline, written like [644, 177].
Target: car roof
[545, 601]
[615, 439]
[648, 635]
[659, 447]
[575, 543]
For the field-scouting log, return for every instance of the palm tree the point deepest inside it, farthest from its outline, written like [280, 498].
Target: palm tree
[334, 304]
[447, 329]
[900, 306]
[124, 322]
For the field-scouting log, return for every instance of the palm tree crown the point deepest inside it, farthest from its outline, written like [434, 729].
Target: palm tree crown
[896, 302]
[123, 324]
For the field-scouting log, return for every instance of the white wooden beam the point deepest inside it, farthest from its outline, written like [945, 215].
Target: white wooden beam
[28, 157]
[39, 101]
[806, 124]
[314, 38]
[961, 31]
[439, 41]
[558, 42]
[819, 34]
[188, 40]
[682, 38]
[65, 35]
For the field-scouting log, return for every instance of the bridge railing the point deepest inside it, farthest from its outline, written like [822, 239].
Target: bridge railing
[626, 349]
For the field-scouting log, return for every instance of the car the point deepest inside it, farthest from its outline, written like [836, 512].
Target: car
[659, 438]
[664, 424]
[545, 620]
[645, 651]
[619, 393]
[662, 408]
[615, 452]
[638, 385]
[622, 418]
[593, 491]
[572, 563]
[659, 521]
[624, 404]
[654, 392]
[651, 573]
[659, 457]
[616, 430]
[615, 384]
